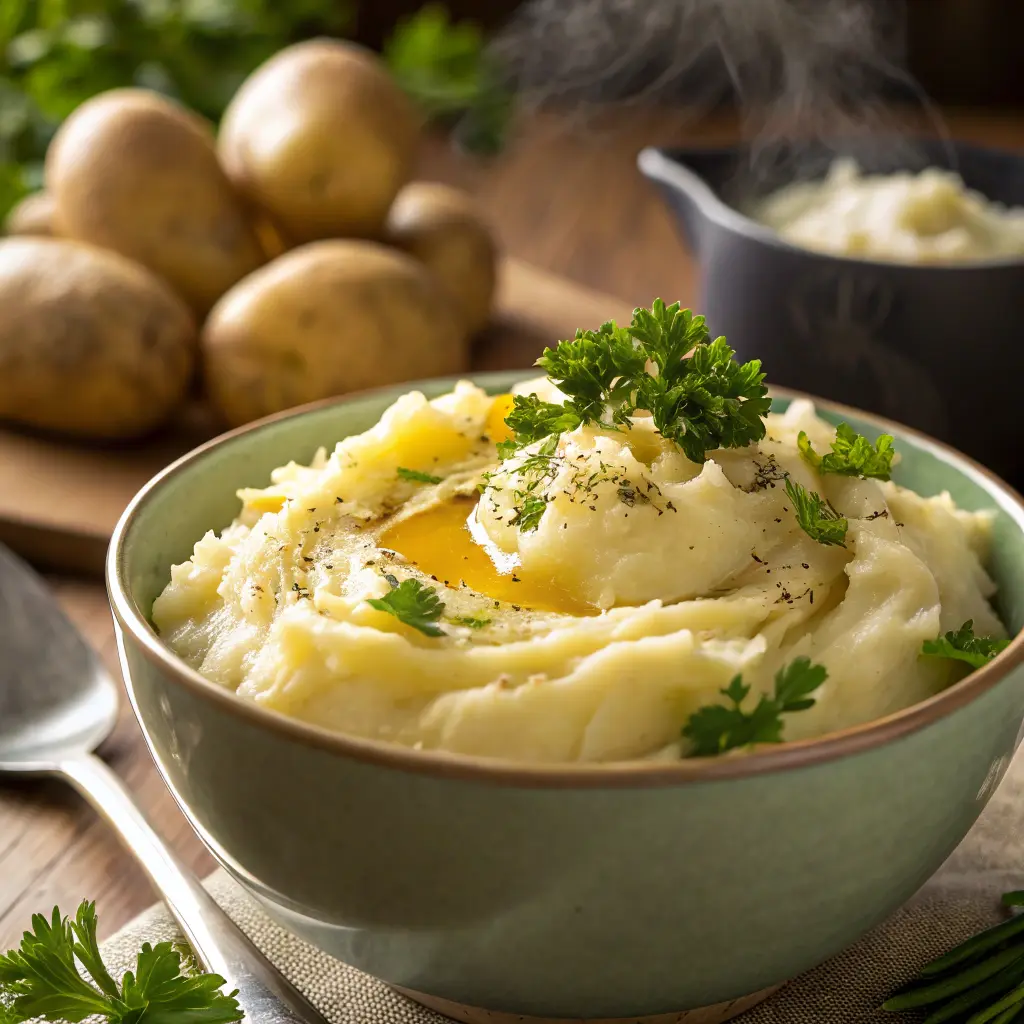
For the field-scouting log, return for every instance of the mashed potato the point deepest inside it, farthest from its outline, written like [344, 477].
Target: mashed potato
[644, 584]
[929, 217]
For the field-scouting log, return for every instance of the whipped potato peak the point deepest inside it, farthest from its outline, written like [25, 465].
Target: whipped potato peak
[927, 217]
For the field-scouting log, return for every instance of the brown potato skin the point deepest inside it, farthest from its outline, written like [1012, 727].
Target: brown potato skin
[33, 215]
[91, 344]
[321, 137]
[134, 172]
[324, 319]
[442, 228]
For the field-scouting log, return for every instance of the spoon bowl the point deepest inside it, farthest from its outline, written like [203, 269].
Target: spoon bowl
[56, 698]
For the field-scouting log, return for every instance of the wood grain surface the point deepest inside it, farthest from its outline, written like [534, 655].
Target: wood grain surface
[566, 198]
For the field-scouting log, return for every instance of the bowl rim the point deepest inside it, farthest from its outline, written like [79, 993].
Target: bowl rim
[662, 164]
[501, 771]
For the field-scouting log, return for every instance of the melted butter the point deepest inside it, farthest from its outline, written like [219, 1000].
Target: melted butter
[495, 426]
[439, 543]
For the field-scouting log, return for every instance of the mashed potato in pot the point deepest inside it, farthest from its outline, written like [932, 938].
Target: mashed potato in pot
[930, 217]
[585, 595]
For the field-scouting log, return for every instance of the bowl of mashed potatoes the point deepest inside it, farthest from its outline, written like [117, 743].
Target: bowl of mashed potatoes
[864, 270]
[615, 691]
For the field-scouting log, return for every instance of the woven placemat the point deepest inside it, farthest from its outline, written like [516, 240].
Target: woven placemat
[960, 900]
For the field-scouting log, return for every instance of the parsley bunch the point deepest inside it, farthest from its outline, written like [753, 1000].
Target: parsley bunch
[663, 363]
[962, 645]
[716, 728]
[41, 979]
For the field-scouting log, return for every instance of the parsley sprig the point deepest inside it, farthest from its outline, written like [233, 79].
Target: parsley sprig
[412, 603]
[816, 516]
[663, 363]
[41, 978]
[852, 454]
[962, 645]
[716, 728]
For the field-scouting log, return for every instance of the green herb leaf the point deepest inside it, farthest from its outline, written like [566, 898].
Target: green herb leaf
[697, 394]
[415, 476]
[715, 728]
[528, 512]
[852, 454]
[817, 518]
[531, 419]
[41, 979]
[412, 603]
[962, 645]
[470, 621]
[597, 370]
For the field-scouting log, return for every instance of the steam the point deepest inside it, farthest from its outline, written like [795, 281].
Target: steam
[807, 70]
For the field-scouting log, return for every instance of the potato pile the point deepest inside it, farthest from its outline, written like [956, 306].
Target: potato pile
[284, 259]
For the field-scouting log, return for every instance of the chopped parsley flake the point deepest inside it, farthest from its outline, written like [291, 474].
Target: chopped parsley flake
[415, 476]
[470, 621]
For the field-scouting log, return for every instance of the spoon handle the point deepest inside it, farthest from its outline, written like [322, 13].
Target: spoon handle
[263, 992]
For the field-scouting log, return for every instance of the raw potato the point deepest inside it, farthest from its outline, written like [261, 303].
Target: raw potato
[322, 138]
[134, 172]
[33, 215]
[442, 228]
[324, 319]
[91, 344]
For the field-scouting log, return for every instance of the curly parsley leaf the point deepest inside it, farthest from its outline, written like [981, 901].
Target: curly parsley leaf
[708, 401]
[598, 370]
[415, 476]
[716, 728]
[963, 645]
[816, 516]
[852, 454]
[695, 391]
[41, 979]
[531, 419]
[412, 603]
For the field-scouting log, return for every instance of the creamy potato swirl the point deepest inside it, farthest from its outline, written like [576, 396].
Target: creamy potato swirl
[645, 585]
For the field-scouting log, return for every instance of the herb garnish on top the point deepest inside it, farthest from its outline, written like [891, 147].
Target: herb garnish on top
[662, 363]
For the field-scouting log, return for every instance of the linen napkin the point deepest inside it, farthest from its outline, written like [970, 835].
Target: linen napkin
[961, 899]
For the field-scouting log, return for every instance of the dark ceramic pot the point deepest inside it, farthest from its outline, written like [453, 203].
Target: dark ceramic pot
[936, 347]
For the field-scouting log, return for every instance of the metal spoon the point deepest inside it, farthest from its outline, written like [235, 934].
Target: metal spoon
[57, 704]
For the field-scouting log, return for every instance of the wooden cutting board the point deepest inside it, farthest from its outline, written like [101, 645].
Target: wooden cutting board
[60, 501]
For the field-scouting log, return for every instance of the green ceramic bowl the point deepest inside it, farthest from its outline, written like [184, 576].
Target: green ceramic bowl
[560, 892]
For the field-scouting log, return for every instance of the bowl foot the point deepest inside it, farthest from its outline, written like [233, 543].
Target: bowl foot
[699, 1015]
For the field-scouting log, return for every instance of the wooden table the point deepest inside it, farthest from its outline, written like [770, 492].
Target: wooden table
[567, 198]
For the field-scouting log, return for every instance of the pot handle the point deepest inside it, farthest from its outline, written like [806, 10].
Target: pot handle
[686, 193]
